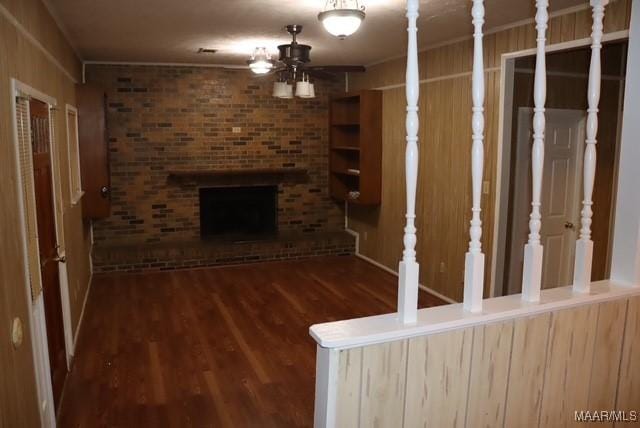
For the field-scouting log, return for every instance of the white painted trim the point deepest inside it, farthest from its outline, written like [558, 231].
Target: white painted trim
[493, 30]
[326, 396]
[388, 328]
[84, 305]
[503, 153]
[35, 42]
[58, 208]
[36, 313]
[506, 62]
[625, 263]
[167, 64]
[74, 196]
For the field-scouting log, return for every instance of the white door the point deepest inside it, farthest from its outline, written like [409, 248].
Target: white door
[561, 185]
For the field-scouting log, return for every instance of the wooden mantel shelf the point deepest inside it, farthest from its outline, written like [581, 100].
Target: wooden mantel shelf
[240, 176]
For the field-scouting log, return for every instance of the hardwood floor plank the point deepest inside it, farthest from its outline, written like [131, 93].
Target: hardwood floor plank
[217, 347]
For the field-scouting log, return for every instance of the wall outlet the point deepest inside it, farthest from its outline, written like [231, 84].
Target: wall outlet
[366, 235]
[442, 267]
[236, 130]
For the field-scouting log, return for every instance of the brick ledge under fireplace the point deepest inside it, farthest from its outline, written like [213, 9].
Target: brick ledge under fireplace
[199, 253]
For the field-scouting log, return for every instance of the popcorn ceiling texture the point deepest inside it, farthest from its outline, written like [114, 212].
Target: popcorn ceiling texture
[163, 119]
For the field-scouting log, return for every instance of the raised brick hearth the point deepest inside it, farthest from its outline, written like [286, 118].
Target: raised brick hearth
[169, 126]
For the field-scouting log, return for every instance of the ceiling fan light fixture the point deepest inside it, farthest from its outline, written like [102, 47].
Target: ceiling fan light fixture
[279, 89]
[341, 19]
[260, 62]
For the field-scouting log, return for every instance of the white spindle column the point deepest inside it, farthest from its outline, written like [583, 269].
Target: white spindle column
[533, 250]
[409, 269]
[584, 245]
[474, 259]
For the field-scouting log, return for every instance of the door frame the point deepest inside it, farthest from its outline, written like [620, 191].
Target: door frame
[503, 152]
[37, 323]
[524, 206]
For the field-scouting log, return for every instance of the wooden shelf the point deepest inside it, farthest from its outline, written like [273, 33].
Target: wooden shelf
[355, 126]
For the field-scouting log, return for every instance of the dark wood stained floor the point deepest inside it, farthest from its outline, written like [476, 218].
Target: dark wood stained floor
[220, 347]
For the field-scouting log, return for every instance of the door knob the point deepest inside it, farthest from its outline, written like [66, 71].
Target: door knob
[104, 191]
[60, 259]
[569, 225]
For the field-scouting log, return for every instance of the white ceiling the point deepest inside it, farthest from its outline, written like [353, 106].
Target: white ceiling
[171, 31]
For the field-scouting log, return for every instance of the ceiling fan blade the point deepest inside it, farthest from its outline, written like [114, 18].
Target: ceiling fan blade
[338, 68]
[320, 74]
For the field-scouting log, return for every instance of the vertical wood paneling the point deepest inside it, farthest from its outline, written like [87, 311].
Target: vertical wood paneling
[489, 374]
[383, 387]
[349, 387]
[19, 58]
[526, 373]
[529, 372]
[437, 380]
[606, 355]
[442, 220]
[628, 396]
[568, 366]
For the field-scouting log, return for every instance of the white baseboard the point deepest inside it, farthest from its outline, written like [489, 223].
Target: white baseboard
[387, 269]
[84, 305]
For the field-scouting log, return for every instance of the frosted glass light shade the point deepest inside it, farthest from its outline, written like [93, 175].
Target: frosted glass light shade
[341, 22]
[280, 89]
[310, 94]
[303, 89]
[260, 62]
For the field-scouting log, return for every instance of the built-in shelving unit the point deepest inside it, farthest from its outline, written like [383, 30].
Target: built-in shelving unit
[355, 147]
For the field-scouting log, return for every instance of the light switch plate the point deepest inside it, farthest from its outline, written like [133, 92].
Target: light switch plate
[16, 332]
[236, 130]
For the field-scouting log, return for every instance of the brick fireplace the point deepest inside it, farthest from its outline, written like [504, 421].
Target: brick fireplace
[175, 132]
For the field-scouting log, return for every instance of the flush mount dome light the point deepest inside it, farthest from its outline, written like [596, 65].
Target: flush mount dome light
[342, 18]
[260, 62]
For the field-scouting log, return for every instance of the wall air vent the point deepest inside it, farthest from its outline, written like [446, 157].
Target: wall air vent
[207, 50]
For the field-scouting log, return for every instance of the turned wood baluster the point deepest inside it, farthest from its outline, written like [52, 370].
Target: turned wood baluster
[474, 259]
[584, 245]
[409, 269]
[533, 250]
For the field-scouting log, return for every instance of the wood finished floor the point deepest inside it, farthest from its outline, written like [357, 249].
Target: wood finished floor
[219, 347]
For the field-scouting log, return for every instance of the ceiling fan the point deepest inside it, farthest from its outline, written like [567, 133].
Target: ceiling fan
[294, 59]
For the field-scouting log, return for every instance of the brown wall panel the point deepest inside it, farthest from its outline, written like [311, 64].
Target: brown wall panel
[21, 59]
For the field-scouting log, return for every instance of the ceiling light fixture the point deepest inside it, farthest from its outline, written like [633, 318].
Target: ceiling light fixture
[342, 18]
[260, 62]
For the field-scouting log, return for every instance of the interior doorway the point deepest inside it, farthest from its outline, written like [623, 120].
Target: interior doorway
[566, 105]
[47, 243]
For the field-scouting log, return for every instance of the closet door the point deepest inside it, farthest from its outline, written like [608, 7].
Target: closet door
[94, 151]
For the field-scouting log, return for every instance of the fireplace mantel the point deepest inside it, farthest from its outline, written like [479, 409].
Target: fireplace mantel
[240, 176]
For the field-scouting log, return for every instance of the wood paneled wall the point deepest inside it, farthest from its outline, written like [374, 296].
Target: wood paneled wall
[444, 197]
[526, 372]
[20, 58]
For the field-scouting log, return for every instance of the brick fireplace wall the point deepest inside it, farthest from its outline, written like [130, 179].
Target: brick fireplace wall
[163, 119]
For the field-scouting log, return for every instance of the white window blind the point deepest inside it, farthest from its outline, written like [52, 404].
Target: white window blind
[23, 128]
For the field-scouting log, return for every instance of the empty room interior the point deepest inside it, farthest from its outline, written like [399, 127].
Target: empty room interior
[319, 213]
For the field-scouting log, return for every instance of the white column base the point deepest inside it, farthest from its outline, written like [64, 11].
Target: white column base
[473, 281]
[408, 279]
[326, 387]
[582, 267]
[532, 272]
